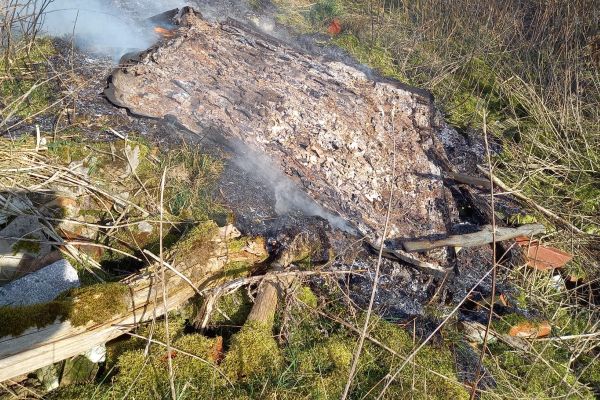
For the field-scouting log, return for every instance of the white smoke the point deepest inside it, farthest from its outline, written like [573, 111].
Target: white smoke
[116, 27]
[103, 26]
[288, 197]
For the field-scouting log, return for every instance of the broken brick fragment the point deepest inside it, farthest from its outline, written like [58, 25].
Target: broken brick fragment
[334, 27]
[543, 258]
[530, 330]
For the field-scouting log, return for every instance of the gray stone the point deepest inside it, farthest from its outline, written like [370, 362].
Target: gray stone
[40, 286]
[21, 241]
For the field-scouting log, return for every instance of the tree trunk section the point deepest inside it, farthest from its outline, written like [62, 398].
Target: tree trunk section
[333, 128]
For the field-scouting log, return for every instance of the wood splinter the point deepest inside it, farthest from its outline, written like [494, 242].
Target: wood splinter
[401, 256]
[483, 237]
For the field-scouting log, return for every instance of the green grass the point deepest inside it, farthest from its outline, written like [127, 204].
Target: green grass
[374, 55]
[323, 11]
[192, 175]
[23, 90]
[544, 372]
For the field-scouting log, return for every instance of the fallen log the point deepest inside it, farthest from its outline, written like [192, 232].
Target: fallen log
[202, 257]
[483, 237]
[253, 349]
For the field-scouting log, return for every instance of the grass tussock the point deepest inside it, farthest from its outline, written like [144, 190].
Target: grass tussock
[26, 86]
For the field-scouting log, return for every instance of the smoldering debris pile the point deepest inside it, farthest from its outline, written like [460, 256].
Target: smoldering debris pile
[324, 137]
[333, 146]
[351, 143]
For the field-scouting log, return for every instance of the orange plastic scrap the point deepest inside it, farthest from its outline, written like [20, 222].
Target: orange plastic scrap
[334, 27]
[543, 258]
[531, 330]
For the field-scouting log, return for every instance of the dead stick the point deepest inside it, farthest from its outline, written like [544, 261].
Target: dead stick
[483, 237]
[400, 255]
[423, 266]
[263, 310]
[212, 295]
[468, 179]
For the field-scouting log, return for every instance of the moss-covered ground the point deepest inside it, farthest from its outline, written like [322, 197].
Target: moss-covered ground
[90, 304]
[312, 361]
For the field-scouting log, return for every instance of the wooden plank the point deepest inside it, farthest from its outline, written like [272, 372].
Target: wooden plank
[468, 179]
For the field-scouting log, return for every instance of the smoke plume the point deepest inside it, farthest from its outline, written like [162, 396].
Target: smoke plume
[288, 197]
[100, 26]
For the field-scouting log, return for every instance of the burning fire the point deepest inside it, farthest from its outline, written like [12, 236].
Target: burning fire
[165, 33]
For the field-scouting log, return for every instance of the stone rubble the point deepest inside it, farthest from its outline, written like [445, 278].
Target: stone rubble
[40, 286]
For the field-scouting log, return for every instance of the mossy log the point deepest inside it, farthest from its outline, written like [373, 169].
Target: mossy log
[202, 256]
